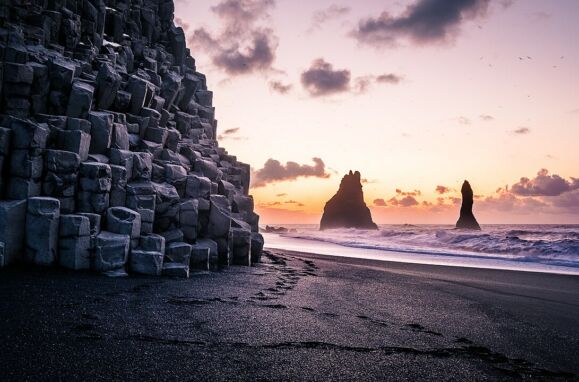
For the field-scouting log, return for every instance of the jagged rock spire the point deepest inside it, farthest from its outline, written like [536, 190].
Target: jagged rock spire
[346, 209]
[467, 219]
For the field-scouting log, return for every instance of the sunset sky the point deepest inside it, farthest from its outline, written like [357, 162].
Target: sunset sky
[417, 95]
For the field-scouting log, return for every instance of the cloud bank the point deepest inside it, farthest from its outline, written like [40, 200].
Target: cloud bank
[545, 193]
[424, 22]
[544, 185]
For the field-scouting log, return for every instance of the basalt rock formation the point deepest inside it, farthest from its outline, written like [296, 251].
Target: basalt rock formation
[467, 219]
[347, 209]
[108, 151]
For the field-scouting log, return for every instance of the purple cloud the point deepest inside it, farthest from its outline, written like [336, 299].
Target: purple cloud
[322, 79]
[242, 46]
[389, 78]
[407, 201]
[424, 22]
[273, 171]
[544, 185]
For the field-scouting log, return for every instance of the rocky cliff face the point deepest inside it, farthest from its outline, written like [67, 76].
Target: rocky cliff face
[347, 209]
[108, 151]
[467, 219]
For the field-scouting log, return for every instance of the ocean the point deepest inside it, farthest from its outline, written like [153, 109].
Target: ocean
[541, 248]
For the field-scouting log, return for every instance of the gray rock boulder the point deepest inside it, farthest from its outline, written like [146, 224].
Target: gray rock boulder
[108, 82]
[74, 244]
[12, 229]
[80, 100]
[146, 262]
[211, 246]
[42, 228]
[240, 246]
[199, 258]
[124, 221]
[178, 252]
[219, 216]
[111, 251]
[175, 270]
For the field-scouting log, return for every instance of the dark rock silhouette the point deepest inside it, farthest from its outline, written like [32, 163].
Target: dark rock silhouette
[467, 219]
[273, 229]
[347, 209]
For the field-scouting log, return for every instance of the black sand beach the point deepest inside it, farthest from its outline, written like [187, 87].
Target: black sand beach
[294, 317]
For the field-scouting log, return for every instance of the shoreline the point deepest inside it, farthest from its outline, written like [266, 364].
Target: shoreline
[401, 266]
[278, 242]
[295, 316]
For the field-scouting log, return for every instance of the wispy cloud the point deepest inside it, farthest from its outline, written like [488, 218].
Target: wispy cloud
[298, 204]
[522, 131]
[325, 15]
[389, 78]
[230, 134]
[280, 87]
[246, 43]
[463, 120]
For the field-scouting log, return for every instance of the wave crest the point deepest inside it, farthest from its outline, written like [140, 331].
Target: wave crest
[546, 244]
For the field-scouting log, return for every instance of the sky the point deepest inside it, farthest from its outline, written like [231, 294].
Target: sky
[417, 95]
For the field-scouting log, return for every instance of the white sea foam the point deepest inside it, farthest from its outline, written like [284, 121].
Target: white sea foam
[547, 245]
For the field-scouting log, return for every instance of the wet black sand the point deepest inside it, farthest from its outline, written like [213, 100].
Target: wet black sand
[294, 317]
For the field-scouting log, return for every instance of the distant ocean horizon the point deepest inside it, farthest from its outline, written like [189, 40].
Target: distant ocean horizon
[540, 247]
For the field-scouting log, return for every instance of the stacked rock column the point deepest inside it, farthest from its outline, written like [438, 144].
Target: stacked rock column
[105, 118]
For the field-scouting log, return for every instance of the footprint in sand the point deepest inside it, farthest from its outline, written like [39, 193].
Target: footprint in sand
[275, 306]
[421, 329]
[374, 321]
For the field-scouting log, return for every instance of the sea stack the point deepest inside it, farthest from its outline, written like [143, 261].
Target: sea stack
[347, 209]
[467, 219]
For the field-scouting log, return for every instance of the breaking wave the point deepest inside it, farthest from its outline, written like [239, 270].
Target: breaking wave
[545, 244]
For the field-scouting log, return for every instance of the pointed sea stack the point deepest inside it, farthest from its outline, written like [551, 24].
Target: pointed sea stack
[347, 209]
[467, 219]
